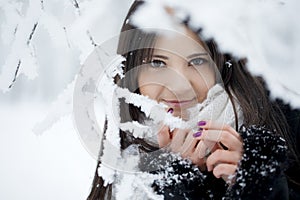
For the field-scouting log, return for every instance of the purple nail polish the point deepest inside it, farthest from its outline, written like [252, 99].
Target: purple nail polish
[200, 129]
[201, 123]
[197, 134]
[171, 110]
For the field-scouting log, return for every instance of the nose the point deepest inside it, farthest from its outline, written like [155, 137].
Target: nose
[179, 79]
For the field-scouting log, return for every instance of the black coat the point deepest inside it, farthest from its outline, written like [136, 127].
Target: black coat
[260, 174]
[293, 171]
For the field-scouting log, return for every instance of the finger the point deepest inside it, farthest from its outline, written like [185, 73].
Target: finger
[189, 145]
[201, 162]
[197, 161]
[225, 171]
[213, 125]
[223, 136]
[201, 149]
[179, 136]
[222, 156]
[163, 136]
[214, 148]
[204, 148]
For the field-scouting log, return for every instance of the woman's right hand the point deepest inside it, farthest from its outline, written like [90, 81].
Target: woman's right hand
[181, 141]
[217, 147]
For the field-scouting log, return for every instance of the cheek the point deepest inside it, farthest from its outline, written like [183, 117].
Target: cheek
[210, 80]
[203, 83]
[153, 91]
[150, 85]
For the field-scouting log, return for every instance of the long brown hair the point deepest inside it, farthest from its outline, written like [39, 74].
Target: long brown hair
[249, 91]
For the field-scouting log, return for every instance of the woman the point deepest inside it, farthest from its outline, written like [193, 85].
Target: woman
[242, 157]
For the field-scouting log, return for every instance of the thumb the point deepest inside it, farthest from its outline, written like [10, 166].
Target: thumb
[163, 136]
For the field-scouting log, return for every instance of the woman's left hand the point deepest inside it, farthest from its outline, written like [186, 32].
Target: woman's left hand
[226, 148]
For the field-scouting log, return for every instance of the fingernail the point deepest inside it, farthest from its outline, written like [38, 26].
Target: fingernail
[200, 129]
[201, 123]
[171, 110]
[197, 134]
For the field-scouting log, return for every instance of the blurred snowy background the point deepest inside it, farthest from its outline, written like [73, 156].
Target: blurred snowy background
[43, 43]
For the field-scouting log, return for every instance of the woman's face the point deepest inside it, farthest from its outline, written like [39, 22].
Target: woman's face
[180, 72]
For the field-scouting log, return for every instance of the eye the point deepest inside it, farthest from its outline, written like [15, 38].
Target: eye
[197, 61]
[158, 63]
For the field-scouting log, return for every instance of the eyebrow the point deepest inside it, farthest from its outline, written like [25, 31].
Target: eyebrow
[190, 56]
[197, 54]
[161, 56]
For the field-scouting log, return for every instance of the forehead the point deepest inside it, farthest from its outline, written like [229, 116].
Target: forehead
[183, 43]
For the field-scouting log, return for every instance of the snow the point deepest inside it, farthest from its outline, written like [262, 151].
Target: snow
[21, 48]
[59, 108]
[67, 27]
[265, 32]
[43, 155]
[54, 165]
[145, 14]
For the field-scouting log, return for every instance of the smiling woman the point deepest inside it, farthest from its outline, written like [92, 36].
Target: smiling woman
[237, 150]
[178, 74]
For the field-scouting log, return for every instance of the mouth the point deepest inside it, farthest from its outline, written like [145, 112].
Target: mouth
[180, 104]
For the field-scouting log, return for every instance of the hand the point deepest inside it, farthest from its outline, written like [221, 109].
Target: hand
[224, 158]
[181, 141]
[222, 141]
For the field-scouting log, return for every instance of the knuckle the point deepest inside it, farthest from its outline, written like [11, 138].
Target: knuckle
[194, 159]
[226, 127]
[217, 172]
[225, 136]
[218, 153]
[184, 155]
[238, 156]
[221, 168]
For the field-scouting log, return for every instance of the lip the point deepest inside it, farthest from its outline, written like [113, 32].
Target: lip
[180, 104]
